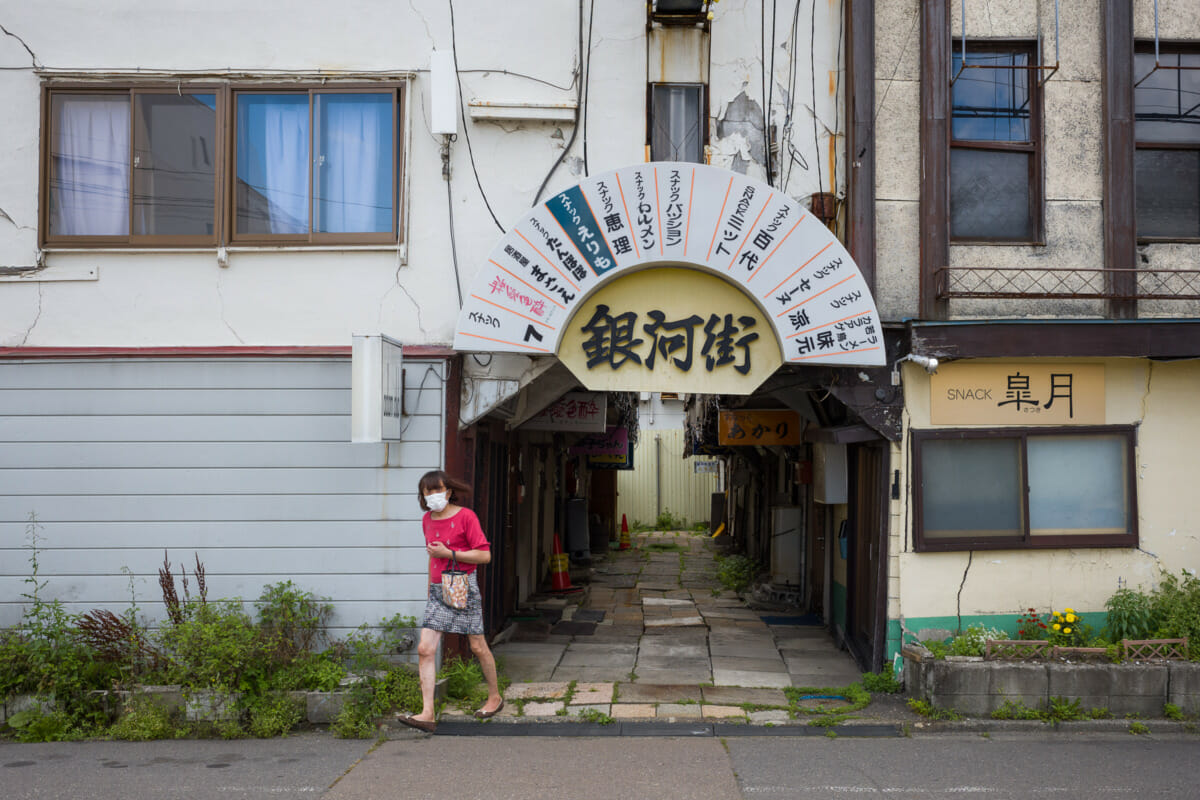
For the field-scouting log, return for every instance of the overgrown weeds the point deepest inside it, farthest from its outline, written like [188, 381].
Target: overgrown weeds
[251, 653]
[737, 572]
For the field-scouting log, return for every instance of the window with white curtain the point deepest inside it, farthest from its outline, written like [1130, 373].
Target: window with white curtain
[677, 122]
[155, 166]
[1027, 487]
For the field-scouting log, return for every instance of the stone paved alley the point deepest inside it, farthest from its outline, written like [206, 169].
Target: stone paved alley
[653, 635]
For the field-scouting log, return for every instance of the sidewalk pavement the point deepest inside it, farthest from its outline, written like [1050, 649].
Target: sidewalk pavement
[651, 645]
[653, 637]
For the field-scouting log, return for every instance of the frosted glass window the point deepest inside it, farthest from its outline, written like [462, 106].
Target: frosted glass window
[1167, 161]
[990, 195]
[971, 488]
[676, 123]
[1078, 485]
[995, 177]
[1167, 193]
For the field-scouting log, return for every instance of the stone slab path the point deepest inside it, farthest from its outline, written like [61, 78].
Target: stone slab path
[670, 644]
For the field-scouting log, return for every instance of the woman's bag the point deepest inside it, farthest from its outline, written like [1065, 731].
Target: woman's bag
[454, 585]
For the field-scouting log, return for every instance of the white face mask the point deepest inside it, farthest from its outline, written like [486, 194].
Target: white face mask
[437, 501]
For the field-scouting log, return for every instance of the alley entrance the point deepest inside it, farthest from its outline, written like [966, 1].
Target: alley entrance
[655, 621]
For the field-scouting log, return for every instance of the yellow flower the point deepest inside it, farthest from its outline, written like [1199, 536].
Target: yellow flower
[1057, 626]
[1066, 630]
[1070, 610]
[1070, 617]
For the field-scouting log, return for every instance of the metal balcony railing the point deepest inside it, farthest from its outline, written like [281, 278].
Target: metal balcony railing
[1034, 283]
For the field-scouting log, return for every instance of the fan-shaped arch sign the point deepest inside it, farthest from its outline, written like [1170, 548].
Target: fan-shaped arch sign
[672, 277]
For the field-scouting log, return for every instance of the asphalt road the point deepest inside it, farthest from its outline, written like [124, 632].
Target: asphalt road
[304, 765]
[998, 767]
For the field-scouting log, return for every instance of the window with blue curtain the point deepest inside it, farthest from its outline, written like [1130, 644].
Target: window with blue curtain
[315, 163]
[142, 164]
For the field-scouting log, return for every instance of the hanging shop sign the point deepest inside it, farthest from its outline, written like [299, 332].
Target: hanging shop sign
[540, 280]
[609, 450]
[1017, 393]
[575, 411]
[758, 427]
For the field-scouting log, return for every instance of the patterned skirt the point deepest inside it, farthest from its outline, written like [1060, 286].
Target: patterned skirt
[441, 617]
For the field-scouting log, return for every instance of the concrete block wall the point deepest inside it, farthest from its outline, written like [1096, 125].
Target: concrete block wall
[977, 688]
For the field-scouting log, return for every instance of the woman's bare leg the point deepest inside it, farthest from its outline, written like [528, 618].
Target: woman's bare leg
[427, 650]
[487, 663]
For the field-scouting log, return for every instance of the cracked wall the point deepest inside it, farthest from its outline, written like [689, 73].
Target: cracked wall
[282, 296]
[1073, 154]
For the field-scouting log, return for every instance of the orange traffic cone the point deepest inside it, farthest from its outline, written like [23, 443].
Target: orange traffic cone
[624, 534]
[560, 579]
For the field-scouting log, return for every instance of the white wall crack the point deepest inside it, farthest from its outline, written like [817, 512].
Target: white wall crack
[411, 299]
[36, 317]
[221, 297]
[5, 215]
[37, 64]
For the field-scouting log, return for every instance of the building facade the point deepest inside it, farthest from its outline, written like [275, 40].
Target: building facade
[803, 208]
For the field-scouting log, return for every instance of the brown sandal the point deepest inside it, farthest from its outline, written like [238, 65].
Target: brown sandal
[419, 724]
[481, 714]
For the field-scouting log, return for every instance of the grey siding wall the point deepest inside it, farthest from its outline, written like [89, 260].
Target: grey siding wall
[245, 462]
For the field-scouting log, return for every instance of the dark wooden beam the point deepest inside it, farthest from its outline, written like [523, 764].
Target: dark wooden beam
[458, 447]
[1120, 229]
[935, 153]
[1166, 339]
[860, 64]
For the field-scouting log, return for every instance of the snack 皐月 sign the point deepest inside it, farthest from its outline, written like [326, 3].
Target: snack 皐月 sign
[1017, 393]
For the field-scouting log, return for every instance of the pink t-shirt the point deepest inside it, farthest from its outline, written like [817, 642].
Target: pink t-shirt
[460, 532]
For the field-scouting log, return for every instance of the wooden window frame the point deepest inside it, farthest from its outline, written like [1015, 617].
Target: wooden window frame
[224, 200]
[1035, 148]
[129, 239]
[313, 237]
[1026, 541]
[1166, 48]
[703, 87]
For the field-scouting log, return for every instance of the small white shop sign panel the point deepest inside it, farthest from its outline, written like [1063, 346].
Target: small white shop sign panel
[1017, 393]
[575, 411]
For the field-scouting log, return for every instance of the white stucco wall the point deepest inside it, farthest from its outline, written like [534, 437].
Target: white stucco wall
[303, 296]
[522, 53]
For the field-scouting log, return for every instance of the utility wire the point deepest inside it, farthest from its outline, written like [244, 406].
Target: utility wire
[586, 77]
[771, 87]
[762, 84]
[812, 71]
[462, 112]
[453, 246]
[575, 128]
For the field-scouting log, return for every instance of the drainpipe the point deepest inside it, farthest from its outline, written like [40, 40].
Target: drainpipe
[658, 475]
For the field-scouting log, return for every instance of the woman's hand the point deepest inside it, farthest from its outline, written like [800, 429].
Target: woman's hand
[438, 550]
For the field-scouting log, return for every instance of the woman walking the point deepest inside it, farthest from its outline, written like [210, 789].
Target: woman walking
[451, 531]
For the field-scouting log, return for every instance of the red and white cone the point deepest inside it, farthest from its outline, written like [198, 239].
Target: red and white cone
[560, 578]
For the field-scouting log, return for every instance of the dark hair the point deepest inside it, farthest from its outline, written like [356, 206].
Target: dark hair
[459, 490]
